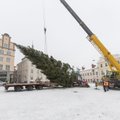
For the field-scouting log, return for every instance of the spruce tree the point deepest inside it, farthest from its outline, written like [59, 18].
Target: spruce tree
[56, 71]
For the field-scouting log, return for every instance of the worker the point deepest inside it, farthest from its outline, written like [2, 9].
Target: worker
[105, 85]
[96, 85]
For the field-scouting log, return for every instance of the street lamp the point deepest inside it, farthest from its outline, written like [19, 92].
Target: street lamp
[93, 71]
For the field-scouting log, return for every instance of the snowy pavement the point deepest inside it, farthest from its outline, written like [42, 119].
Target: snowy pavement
[60, 104]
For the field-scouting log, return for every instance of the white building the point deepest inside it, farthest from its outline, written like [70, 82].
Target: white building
[96, 73]
[90, 74]
[27, 72]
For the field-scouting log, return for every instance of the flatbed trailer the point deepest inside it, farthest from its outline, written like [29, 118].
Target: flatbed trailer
[27, 86]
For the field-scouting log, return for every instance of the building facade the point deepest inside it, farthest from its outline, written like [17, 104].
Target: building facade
[27, 72]
[90, 75]
[7, 54]
[96, 73]
[103, 66]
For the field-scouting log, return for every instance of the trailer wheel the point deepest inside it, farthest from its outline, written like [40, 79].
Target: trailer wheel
[6, 88]
[38, 87]
[17, 88]
[30, 87]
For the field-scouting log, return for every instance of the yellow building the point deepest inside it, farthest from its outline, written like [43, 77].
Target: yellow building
[7, 54]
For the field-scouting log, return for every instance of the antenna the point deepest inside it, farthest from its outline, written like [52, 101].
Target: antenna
[45, 29]
[32, 45]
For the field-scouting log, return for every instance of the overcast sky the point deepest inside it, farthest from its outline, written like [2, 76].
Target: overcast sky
[66, 40]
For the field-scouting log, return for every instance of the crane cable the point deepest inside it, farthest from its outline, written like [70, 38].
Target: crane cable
[45, 29]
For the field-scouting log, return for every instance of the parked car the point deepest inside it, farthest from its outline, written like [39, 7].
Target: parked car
[81, 83]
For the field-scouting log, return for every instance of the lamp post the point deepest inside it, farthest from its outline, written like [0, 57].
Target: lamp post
[93, 71]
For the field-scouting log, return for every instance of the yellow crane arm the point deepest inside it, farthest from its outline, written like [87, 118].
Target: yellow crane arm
[113, 63]
[108, 56]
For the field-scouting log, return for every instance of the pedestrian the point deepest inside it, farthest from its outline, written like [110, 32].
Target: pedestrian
[96, 85]
[105, 85]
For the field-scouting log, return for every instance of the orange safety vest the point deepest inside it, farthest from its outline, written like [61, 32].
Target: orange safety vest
[105, 83]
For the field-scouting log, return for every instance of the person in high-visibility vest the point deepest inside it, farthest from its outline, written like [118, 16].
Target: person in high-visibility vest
[105, 85]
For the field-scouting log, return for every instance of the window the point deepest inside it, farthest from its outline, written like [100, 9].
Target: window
[1, 58]
[106, 64]
[7, 59]
[1, 52]
[8, 67]
[5, 45]
[1, 67]
[8, 52]
[93, 71]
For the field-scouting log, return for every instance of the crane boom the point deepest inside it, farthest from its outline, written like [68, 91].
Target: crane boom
[82, 24]
[113, 63]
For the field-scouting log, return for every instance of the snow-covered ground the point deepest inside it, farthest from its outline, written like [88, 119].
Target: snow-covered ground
[60, 104]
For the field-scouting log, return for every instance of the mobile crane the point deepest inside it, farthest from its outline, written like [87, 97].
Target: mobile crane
[114, 75]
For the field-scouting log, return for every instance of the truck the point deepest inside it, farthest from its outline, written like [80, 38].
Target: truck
[28, 86]
[114, 74]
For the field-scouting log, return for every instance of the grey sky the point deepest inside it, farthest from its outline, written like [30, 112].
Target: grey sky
[66, 41]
